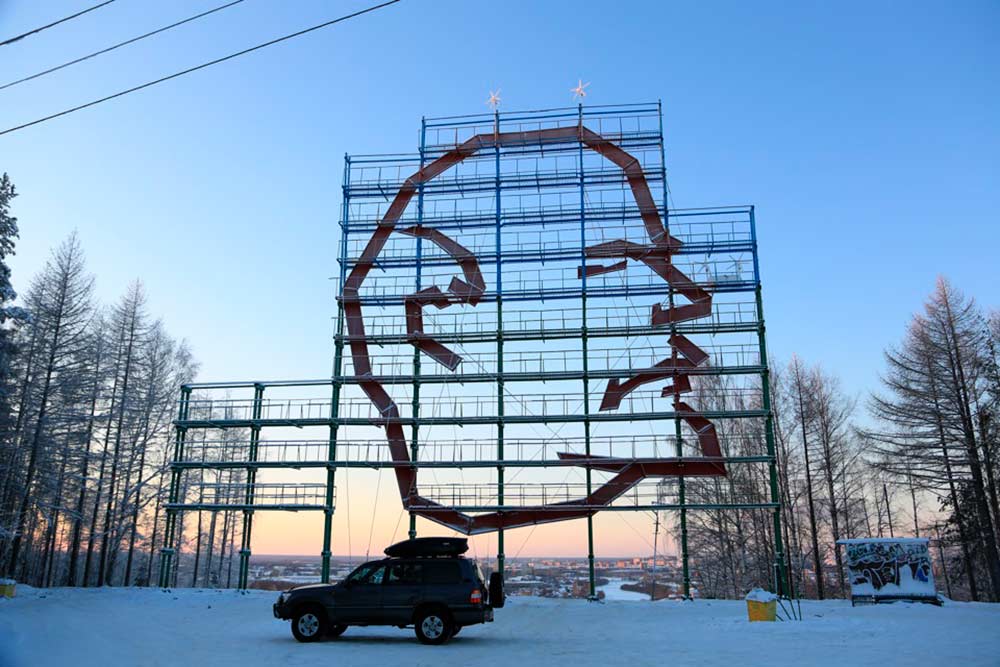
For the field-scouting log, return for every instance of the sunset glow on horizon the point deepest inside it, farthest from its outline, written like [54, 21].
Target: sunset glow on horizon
[363, 526]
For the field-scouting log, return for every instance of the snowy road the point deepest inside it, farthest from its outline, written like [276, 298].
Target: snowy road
[218, 628]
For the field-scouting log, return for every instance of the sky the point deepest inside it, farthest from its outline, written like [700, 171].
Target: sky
[866, 135]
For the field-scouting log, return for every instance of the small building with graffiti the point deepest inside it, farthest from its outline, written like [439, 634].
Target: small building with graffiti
[889, 569]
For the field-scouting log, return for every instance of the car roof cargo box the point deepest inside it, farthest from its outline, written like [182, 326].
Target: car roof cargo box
[428, 547]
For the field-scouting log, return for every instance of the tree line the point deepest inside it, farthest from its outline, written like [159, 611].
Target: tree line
[918, 457]
[87, 396]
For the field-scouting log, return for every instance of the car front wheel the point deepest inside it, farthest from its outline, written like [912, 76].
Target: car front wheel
[309, 624]
[433, 626]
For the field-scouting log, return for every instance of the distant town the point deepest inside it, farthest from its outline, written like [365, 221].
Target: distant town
[637, 578]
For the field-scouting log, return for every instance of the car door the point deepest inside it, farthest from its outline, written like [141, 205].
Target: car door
[443, 582]
[402, 590]
[360, 601]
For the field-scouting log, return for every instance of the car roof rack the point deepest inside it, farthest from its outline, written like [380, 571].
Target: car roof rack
[428, 547]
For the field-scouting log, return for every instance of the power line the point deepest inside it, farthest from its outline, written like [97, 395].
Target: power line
[54, 23]
[121, 44]
[199, 67]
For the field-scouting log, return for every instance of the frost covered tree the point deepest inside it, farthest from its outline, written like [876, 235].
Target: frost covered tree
[85, 454]
[801, 389]
[60, 303]
[935, 417]
[732, 550]
[11, 317]
[130, 320]
[831, 411]
[163, 365]
[98, 359]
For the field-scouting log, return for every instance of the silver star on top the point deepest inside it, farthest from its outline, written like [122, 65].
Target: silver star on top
[580, 90]
[494, 99]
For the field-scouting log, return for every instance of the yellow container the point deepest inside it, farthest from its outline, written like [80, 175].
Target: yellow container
[761, 611]
[7, 590]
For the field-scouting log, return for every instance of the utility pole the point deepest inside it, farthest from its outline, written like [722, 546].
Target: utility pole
[656, 535]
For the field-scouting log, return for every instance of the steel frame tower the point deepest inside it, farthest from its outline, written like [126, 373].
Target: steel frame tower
[479, 266]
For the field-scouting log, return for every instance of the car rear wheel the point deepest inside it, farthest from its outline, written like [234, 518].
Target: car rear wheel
[433, 626]
[309, 624]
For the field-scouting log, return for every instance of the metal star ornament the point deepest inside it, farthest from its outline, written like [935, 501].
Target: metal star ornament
[494, 99]
[580, 90]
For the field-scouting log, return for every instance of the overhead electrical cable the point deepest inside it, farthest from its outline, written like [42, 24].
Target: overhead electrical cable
[54, 23]
[121, 44]
[199, 67]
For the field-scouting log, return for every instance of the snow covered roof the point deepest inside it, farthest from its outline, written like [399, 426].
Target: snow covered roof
[885, 540]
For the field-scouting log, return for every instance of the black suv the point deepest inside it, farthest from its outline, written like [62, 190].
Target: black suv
[424, 583]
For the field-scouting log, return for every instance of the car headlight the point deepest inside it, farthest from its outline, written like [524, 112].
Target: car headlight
[283, 598]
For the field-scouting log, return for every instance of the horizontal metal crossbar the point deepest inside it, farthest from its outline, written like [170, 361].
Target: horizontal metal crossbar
[209, 453]
[394, 297]
[557, 321]
[473, 377]
[474, 336]
[564, 253]
[534, 406]
[236, 495]
[535, 116]
[722, 226]
[385, 190]
[553, 363]
[545, 497]
[583, 462]
[241, 507]
[639, 507]
[455, 421]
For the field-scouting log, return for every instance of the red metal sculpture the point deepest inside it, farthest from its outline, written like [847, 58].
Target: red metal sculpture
[470, 290]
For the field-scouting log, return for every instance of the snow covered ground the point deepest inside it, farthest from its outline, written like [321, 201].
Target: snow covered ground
[82, 627]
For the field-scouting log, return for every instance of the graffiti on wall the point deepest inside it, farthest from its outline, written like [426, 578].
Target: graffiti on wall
[888, 567]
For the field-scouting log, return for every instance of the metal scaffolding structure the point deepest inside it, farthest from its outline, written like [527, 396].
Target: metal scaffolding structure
[520, 277]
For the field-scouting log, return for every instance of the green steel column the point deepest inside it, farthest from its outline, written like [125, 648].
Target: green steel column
[328, 509]
[167, 552]
[328, 505]
[180, 490]
[501, 556]
[586, 440]
[415, 431]
[586, 363]
[336, 379]
[258, 394]
[781, 581]
[679, 440]
[681, 499]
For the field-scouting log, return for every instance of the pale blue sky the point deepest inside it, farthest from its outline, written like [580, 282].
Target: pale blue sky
[865, 133]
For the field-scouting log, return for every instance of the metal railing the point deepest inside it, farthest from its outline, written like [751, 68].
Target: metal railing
[241, 495]
[539, 323]
[625, 360]
[538, 406]
[529, 452]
